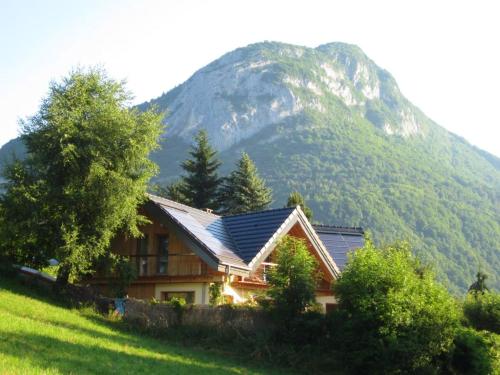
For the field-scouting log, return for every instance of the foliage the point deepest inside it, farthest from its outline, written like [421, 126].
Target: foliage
[174, 191]
[215, 294]
[199, 186]
[119, 271]
[392, 314]
[86, 171]
[296, 199]
[482, 311]
[479, 286]
[244, 190]
[292, 282]
[475, 353]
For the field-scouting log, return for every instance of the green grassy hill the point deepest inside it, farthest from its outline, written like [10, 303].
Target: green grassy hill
[39, 337]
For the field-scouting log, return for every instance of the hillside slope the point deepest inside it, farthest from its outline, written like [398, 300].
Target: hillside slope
[332, 124]
[39, 337]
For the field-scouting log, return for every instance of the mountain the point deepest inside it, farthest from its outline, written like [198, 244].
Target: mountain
[330, 123]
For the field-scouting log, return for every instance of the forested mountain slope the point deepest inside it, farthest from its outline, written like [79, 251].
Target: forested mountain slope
[331, 124]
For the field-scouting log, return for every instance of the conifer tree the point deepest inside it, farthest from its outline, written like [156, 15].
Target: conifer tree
[244, 190]
[199, 187]
[173, 191]
[296, 199]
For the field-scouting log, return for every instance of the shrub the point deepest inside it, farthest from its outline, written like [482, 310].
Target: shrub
[215, 293]
[475, 352]
[392, 315]
[293, 281]
[482, 311]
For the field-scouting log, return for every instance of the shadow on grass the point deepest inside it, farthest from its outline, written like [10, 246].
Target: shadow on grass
[68, 357]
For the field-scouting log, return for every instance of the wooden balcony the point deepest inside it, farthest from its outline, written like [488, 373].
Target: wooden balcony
[173, 265]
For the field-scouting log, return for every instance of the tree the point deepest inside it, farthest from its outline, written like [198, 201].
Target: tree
[292, 283]
[479, 286]
[482, 311]
[174, 191]
[85, 173]
[243, 190]
[296, 199]
[392, 315]
[199, 187]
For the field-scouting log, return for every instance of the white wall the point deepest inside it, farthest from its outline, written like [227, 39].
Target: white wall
[200, 290]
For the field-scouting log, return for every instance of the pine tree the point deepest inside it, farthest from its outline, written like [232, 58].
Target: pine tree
[173, 191]
[296, 199]
[243, 190]
[200, 185]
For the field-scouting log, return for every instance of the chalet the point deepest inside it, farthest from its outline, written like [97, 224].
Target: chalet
[184, 250]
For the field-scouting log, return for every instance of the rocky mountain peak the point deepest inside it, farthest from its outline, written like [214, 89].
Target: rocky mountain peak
[264, 84]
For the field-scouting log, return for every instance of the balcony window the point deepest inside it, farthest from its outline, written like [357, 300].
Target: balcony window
[142, 255]
[162, 255]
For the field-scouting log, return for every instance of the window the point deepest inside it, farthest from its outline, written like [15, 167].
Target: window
[187, 296]
[267, 265]
[142, 255]
[162, 255]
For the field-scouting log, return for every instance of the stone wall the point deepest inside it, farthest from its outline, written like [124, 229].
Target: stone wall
[220, 318]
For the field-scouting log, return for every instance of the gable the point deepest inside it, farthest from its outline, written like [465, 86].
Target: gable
[250, 232]
[238, 243]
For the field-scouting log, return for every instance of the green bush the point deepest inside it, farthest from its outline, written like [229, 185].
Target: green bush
[293, 281]
[215, 294]
[392, 316]
[475, 353]
[482, 311]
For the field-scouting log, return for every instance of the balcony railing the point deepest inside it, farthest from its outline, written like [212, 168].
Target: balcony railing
[172, 265]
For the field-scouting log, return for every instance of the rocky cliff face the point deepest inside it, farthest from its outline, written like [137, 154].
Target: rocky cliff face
[265, 84]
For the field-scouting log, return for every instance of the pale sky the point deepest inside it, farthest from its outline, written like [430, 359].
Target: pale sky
[445, 55]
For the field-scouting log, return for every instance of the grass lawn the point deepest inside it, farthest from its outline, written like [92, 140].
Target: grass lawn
[39, 337]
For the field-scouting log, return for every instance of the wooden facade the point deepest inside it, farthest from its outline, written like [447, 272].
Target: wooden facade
[167, 267]
[160, 257]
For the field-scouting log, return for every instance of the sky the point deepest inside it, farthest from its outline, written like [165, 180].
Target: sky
[444, 55]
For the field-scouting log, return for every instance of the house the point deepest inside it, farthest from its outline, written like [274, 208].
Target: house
[184, 250]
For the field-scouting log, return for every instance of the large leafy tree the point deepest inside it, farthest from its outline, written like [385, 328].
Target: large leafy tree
[199, 186]
[296, 199]
[244, 190]
[86, 171]
[393, 317]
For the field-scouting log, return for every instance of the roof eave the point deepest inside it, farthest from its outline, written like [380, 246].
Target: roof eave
[318, 244]
[296, 216]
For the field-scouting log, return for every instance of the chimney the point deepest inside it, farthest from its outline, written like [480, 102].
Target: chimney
[209, 210]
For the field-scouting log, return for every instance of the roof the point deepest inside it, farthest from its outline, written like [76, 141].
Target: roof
[251, 231]
[205, 228]
[242, 240]
[339, 241]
